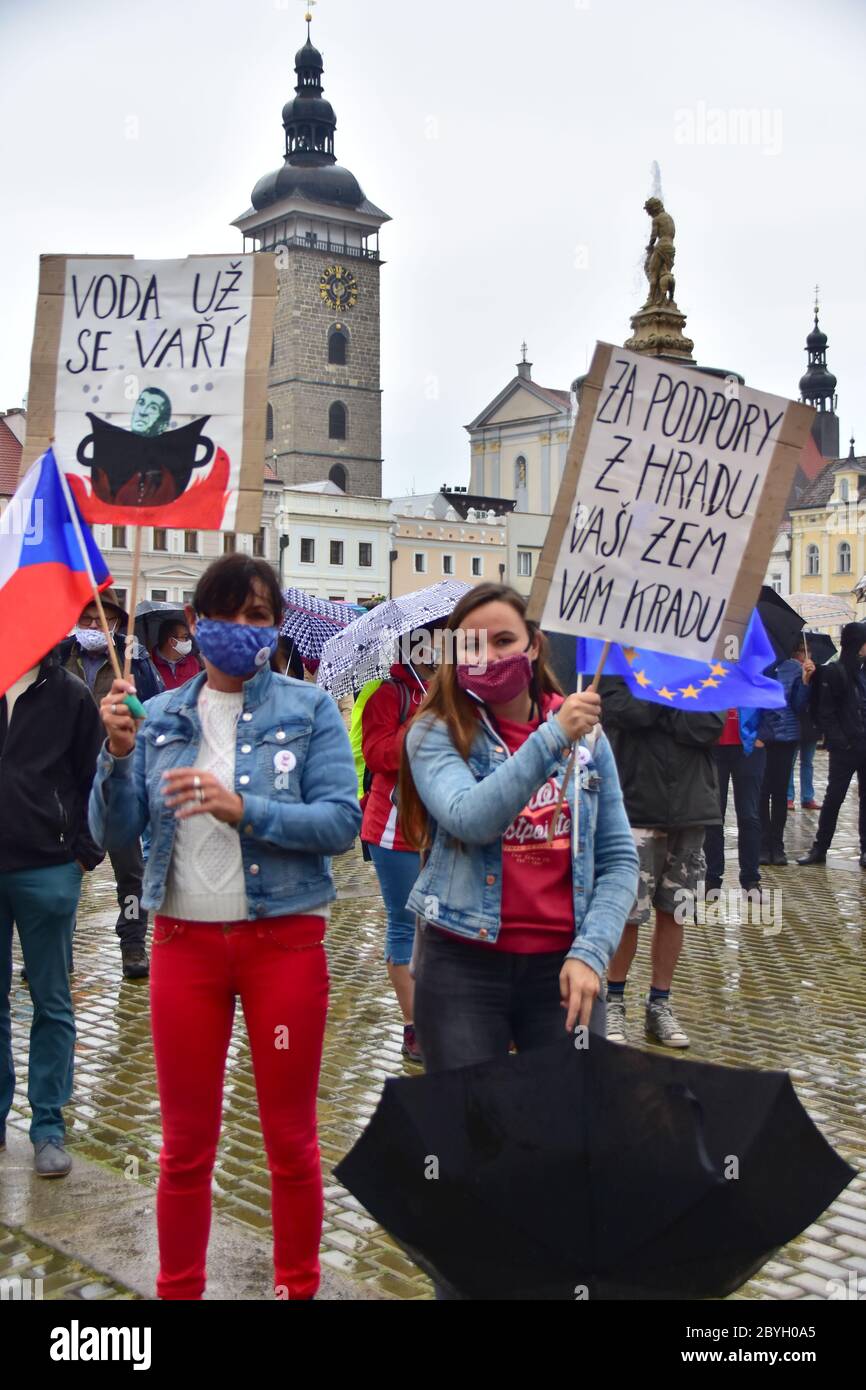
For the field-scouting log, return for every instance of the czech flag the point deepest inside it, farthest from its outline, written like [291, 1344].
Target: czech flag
[48, 563]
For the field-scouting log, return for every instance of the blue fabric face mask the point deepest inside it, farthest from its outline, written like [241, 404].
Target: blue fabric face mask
[238, 649]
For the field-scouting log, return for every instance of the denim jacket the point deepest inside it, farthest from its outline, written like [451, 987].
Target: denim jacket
[472, 804]
[292, 820]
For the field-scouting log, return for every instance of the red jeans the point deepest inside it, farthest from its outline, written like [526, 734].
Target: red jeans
[279, 969]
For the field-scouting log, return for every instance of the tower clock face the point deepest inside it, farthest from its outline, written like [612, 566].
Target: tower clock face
[338, 288]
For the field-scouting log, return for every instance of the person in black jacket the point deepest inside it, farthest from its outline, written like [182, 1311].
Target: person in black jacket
[670, 786]
[85, 654]
[50, 735]
[838, 706]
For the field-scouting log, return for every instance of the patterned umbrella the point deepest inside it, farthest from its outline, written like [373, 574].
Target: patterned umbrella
[310, 621]
[367, 649]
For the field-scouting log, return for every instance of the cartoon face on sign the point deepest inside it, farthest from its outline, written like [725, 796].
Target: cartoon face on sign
[147, 465]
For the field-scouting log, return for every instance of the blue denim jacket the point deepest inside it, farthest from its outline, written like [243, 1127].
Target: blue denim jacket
[292, 821]
[472, 804]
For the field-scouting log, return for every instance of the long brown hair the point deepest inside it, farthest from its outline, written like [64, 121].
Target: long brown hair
[446, 701]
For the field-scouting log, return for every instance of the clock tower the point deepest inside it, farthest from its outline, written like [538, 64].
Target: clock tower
[324, 399]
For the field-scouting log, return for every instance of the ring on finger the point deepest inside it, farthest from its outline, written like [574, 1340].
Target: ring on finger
[196, 781]
[201, 795]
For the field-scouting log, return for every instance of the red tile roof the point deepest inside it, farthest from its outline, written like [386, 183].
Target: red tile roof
[10, 460]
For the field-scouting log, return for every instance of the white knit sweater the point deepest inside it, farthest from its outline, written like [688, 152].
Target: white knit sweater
[206, 875]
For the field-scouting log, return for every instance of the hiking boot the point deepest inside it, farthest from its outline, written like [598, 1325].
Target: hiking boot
[50, 1159]
[135, 963]
[662, 1026]
[815, 856]
[779, 858]
[410, 1048]
[812, 805]
[863, 860]
[616, 1021]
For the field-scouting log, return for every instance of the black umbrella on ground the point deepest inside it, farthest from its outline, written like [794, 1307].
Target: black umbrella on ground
[783, 624]
[602, 1172]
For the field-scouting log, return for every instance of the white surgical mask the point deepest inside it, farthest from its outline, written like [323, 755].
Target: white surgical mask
[182, 648]
[92, 639]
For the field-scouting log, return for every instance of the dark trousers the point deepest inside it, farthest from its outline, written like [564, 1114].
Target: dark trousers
[42, 904]
[128, 866]
[747, 775]
[471, 1002]
[774, 794]
[842, 768]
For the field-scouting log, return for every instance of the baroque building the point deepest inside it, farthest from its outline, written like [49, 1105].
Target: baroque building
[324, 401]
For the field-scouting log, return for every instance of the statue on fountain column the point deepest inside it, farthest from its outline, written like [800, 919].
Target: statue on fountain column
[657, 327]
[659, 263]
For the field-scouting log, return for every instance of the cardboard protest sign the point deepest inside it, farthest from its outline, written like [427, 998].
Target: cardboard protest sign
[151, 379]
[672, 494]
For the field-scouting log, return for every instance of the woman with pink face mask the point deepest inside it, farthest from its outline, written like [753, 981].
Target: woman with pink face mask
[524, 889]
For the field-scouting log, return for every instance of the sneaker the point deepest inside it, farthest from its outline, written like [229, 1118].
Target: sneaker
[812, 805]
[50, 1159]
[616, 1021]
[662, 1026]
[410, 1048]
[791, 805]
[135, 963]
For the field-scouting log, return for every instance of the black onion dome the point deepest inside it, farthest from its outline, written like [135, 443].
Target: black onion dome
[309, 109]
[325, 183]
[817, 340]
[818, 381]
[309, 59]
[310, 170]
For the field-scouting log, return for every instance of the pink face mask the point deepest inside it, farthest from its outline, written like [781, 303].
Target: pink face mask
[502, 680]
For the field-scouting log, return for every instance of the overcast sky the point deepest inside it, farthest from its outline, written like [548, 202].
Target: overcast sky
[510, 140]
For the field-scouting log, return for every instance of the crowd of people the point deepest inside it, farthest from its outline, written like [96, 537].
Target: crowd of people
[522, 838]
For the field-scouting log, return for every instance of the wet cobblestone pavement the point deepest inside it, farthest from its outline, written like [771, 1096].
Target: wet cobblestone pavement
[749, 995]
[30, 1270]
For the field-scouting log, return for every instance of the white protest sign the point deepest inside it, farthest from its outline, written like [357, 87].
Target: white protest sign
[151, 379]
[673, 491]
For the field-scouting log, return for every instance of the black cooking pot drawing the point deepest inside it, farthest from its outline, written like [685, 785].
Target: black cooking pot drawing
[137, 470]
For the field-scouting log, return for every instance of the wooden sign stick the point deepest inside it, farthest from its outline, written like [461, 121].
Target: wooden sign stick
[133, 604]
[97, 597]
[570, 768]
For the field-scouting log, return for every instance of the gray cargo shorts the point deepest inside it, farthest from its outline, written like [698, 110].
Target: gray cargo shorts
[671, 866]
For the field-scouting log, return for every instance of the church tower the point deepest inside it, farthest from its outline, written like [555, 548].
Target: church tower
[818, 389]
[324, 400]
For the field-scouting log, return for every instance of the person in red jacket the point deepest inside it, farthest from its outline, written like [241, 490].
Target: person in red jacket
[173, 655]
[384, 723]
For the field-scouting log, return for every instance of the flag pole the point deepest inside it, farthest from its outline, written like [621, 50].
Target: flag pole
[133, 603]
[551, 829]
[85, 555]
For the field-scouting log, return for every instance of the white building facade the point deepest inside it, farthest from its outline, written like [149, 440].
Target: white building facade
[332, 544]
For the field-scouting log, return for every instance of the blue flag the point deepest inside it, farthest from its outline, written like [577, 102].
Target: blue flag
[693, 685]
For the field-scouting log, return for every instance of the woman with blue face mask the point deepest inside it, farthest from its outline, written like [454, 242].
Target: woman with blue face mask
[247, 783]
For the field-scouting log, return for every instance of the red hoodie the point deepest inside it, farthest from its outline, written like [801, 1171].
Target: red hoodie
[382, 737]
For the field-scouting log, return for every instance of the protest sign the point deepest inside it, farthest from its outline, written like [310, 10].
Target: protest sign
[151, 379]
[672, 494]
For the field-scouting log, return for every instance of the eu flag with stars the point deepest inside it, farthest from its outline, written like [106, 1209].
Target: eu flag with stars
[692, 685]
